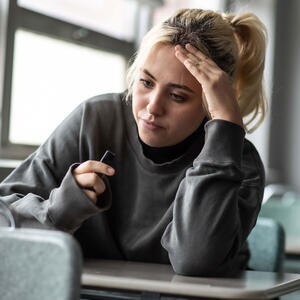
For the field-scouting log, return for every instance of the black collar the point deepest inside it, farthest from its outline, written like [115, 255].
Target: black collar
[169, 153]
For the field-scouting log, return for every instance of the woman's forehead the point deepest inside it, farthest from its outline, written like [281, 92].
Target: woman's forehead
[162, 64]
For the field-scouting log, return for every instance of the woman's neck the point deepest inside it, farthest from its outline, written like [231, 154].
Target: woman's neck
[169, 153]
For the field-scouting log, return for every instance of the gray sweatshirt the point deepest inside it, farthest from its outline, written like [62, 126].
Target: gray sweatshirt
[194, 212]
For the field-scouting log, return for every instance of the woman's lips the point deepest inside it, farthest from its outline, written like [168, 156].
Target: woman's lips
[150, 125]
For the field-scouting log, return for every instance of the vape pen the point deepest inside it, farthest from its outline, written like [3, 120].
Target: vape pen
[108, 158]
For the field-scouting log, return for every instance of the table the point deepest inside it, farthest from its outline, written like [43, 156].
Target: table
[158, 279]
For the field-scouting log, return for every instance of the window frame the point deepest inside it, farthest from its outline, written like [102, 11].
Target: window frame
[22, 18]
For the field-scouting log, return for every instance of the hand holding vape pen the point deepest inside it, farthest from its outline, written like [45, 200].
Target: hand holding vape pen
[86, 182]
[108, 158]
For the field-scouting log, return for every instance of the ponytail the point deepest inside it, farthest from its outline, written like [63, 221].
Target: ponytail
[250, 34]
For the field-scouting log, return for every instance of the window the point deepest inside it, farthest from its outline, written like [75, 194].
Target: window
[110, 17]
[172, 5]
[50, 77]
[59, 53]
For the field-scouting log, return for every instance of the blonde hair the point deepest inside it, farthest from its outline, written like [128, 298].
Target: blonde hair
[236, 43]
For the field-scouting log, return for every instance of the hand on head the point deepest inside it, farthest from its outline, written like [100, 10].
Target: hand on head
[219, 98]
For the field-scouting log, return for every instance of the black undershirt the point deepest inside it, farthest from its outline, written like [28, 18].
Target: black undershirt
[165, 154]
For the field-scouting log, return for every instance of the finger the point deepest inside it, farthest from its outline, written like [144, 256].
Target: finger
[99, 186]
[197, 53]
[91, 181]
[94, 166]
[193, 66]
[183, 54]
[91, 194]
[189, 59]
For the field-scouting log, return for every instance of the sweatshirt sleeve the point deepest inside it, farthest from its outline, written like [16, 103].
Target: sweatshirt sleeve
[216, 204]
[42, 191]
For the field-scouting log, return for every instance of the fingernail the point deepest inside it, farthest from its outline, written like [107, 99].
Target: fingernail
[110, 170]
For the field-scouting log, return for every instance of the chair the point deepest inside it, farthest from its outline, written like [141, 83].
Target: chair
[39, 264]
[266, 244]
[282, 204]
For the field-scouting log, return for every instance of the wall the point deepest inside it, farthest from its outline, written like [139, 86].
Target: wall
[278, 140]
[284, 154]
[5, 169]
[266, 11]
[3, 20]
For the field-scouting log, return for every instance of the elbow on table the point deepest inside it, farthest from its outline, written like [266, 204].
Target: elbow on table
[209, 260]
[185, 269]
[199, 267]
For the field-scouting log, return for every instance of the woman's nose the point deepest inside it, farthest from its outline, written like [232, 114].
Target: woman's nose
[156, 104]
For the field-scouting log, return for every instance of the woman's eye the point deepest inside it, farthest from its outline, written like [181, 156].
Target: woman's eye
[146, 83]
[178, 98]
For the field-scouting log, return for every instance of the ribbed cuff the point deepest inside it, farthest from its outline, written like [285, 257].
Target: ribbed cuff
[224, 142]
[70, 206]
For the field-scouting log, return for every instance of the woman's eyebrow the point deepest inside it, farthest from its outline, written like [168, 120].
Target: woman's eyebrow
[172, 85]
[148, 73]
[181, 86]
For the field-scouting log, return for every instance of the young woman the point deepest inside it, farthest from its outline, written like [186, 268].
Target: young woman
[186, 186]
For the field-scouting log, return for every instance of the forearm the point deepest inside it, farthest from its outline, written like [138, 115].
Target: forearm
[65, 208]
[205, 226]
[207, 231]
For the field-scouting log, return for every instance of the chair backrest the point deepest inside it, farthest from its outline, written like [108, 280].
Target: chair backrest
[39, 264]
[266, 244]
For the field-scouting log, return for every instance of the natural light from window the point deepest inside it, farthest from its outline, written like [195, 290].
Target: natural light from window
[113, 17]
[50, 78]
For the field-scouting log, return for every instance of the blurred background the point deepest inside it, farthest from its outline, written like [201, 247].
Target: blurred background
[56, 53]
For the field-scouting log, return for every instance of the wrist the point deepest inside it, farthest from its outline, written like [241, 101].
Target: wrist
[231, 116]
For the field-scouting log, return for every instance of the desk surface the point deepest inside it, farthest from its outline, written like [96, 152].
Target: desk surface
[134, 276]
